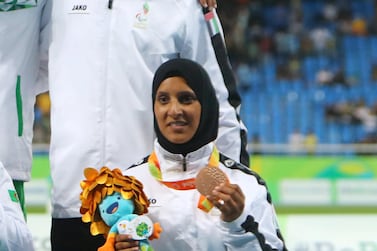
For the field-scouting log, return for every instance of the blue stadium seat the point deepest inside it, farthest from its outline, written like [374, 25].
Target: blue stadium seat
[276, 107]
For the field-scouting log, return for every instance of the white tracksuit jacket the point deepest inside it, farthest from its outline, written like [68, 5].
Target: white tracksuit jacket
[22, 32]
[14, 233]
[187, 228]
[101, 67]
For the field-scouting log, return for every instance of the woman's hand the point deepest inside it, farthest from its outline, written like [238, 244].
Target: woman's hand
[123, 242]
[229, 199]
[209, 3]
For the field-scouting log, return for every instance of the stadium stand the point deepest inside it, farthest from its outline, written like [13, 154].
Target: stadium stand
[304, 38]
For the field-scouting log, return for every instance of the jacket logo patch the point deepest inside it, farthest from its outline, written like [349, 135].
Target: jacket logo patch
[141, 18]
[79, 9]
[229, 163]
[153, 202]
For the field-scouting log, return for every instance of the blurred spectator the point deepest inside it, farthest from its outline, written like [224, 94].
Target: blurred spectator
[344, 21]
[327, 77]
[296, 141]
[244, 76]
[296, 25]
[310, 142]
[368, 119]
[252, 51]
[340, 78]
[372, 24]
[228, 12]
[374, 73]
[324, 77]
[266, 44]
[373, 108]
[294, 67]
[323, 40]
[330, 11]
[282, 72]
[359, 26]
[341, 112]
[239, 29]
[280, 14]
[43, 103]
[42, 119]
[287, 44]
[306, 45]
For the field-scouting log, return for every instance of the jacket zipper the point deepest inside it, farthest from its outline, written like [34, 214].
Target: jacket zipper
[184, 164]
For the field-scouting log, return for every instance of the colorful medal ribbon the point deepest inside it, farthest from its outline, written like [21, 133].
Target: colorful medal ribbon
[187, 184]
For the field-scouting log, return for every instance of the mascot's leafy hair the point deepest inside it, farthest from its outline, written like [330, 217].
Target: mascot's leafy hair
[98, 185]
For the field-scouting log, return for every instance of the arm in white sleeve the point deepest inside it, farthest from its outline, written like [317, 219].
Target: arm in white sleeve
[198, 47]
[257, 227]
[14, 232]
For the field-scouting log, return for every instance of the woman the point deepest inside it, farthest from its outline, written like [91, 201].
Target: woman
[186, 114]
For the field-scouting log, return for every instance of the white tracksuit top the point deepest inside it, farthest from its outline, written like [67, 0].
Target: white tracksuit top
[187, 228]
[102, 63]
[22, 32]
[14, 234]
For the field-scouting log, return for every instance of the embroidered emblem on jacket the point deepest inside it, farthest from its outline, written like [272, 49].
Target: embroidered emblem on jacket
[9, 5]
[13, 196]
[229, 163]
[141, 18]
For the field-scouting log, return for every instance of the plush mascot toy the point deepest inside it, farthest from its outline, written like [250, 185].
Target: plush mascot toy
[114, 204]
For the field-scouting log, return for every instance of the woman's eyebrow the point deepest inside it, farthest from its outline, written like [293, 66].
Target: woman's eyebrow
[187, 92]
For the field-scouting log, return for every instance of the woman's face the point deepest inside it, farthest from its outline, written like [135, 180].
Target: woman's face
[177, 110]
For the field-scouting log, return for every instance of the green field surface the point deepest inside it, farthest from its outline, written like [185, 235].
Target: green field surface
[41, 166]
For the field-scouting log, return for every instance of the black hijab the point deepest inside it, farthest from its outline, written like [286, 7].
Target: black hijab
[198, 80]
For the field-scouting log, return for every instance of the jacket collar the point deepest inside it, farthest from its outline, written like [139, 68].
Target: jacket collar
[171, 165]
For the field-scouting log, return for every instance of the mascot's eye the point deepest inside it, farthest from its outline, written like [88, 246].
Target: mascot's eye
[118, 197]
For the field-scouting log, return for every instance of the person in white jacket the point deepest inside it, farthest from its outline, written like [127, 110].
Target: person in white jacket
[23, 33]
[103, 56]
[14, 232]
[186, 117]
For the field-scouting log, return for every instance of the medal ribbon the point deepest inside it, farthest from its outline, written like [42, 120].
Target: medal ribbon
[187, 184]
